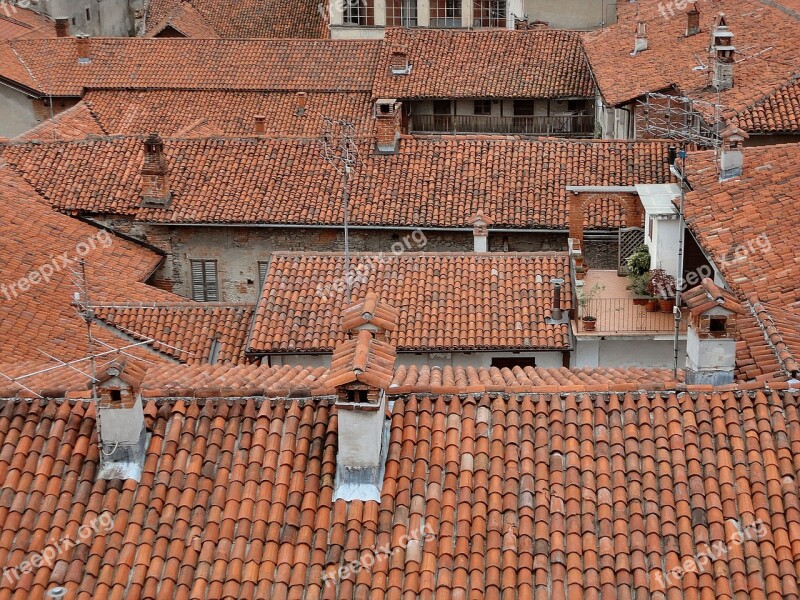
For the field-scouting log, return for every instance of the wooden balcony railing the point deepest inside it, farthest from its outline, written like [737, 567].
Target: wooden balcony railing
[560, 125]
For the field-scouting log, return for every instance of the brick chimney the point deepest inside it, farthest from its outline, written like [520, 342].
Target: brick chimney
[692, 20]
[399, 64]
[259, 124]
[711, 335]
[83, 50]
[387, 125]
[62, 27]
[302, 100]
[361, 370]
[480, 231]
[731, 162]
[723, 51]
[155, 180]
[640, 43]
[120, 417]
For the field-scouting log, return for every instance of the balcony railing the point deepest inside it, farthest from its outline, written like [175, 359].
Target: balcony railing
[561, 125]
[621, 315]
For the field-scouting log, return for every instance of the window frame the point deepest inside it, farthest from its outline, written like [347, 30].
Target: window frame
[207, 283]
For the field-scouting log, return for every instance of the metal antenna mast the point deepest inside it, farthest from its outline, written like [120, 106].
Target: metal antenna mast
[685, 121]
[339, 149]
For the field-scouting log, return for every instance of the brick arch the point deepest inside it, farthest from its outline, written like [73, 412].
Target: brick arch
[580, 201]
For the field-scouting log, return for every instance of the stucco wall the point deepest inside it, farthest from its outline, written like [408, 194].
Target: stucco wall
[572, 14]
[16, 112]
[109, 18]
[440, 359]
[640, 352]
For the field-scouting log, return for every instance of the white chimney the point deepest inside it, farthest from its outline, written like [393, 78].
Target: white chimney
[120, 418]
[640, 43]
[711, 336]
[723, 51]
[480, 231]
[361, 370]
[731, 163]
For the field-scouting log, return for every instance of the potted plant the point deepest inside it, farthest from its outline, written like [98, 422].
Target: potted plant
[638, 266]
[588, 320]
[662, 287]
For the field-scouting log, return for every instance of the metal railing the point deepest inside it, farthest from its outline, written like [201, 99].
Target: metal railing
[560, 125]
[621, 315]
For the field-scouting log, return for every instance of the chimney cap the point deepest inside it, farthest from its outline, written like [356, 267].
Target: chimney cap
[479, 219]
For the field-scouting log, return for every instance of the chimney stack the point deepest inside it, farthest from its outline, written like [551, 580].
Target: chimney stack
[731, 164]
[711, 335]
[82, 47]
[724, 51]
[399, 64]
[387, 125]
[302, 99]
[259, 124]
[692, 20]
[557, 314]
[480, 231]
[154, 174]
[120, 417]
[640, 44]
[62, 27]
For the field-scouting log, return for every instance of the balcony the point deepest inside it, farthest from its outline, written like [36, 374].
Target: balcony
[617, 314]
[577, 126]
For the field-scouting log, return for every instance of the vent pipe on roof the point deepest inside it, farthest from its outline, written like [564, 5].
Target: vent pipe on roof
[640, 44]
[692, 20]
[57, 593]
[62, 27]
[82, 47]
[302, 99]
[259, 124]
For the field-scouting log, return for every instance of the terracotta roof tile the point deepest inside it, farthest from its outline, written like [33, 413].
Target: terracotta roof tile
[562, 496]
[75, 123]
[766, 55]
[362, 359]
[18, 23]
[708, 295]
[781, 331]
[242, 19]
[192, 333]
[52, 67]
[516, 183]
[38, 240]
[777, 113]
[446, 301]
[538, 63]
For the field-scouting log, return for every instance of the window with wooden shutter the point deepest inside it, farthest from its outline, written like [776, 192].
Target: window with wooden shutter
[205, 287]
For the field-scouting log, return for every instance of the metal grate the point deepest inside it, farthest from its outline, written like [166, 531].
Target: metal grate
[630, 238]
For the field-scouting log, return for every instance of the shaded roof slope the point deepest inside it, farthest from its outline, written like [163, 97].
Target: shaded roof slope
[75, 123]
[515, 183]
[186, 20]
[537, 63]
[496, 497]
[18, 23]
[446, 301]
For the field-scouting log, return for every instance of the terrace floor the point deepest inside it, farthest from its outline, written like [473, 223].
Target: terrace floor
[617, 314]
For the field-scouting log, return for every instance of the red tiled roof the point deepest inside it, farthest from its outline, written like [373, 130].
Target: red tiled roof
[709, 295]
[446, 301]
[742, 223]
[781, 329]
[552, 496]
[778, 112]
[17, 23]
[766, 57]
[126, 112]
[51, 66]
[242, 19]
[42, 318]
[185, 20]
[755, 359]
[75, 123]
[516, 183]
[192, 333]
[370, 311]
[538, 63]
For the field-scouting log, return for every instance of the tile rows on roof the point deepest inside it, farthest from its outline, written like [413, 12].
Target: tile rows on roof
[542, 496]
[539, 63]
[52, 67]
[708, 295]
[446, 301]
[192, 333]
[429, 182]
[18, 23]
[764, 34]
[777, 113]
[241, 19]
[362, 359]
[781, 330]
[370, 311]
[75, 123]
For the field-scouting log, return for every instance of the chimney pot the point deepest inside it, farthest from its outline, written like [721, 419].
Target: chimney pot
[387, 125]
[557, 314]
[62, 27]
[302, 99]
[692, 20]
[731, 163]
[724, 51]
[82, 47]
[640, 44]
[154, 174]
[259, 124]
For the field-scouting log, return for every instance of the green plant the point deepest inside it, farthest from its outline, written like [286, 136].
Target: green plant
[638, 263]
[585, 296]
[640, 286]
[662, 285]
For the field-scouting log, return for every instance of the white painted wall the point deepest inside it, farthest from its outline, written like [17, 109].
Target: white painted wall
[360, 434]
[438, 359]
[16, 112]
[109, 18]
[646, 353]
[663, 243]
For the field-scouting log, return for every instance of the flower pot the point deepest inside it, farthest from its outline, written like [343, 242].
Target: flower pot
[651, 305]
[589, 323]
[666, 306]
[639, 301]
